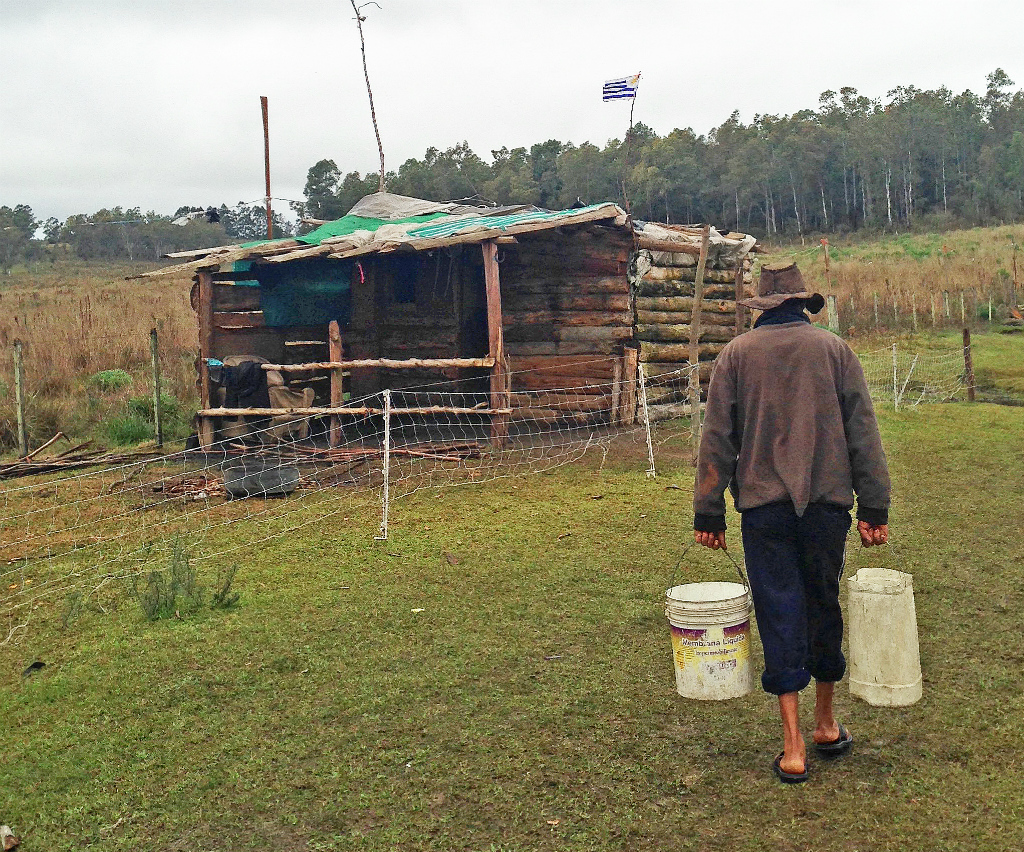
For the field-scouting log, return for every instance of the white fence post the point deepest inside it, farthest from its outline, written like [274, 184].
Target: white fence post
[651, 472]
[385, 499]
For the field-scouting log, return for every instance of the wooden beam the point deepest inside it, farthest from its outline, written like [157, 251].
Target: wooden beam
[360, 411]
[387, 363]
[205, 352]
[667, 245]
[630, 359]
[337, 390]
[741, 317]
[694, 359]
[238, 319]
[495, 341]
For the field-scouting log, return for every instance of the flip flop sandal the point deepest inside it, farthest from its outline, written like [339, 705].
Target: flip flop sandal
[788, 777]
[838, 746]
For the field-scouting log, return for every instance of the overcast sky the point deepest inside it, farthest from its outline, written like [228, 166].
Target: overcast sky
[153, 104]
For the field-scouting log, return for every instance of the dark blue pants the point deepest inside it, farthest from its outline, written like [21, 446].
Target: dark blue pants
[794, 566]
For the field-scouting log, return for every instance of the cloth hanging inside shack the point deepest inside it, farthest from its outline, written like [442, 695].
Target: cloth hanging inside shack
[245, 386]
[305, 292]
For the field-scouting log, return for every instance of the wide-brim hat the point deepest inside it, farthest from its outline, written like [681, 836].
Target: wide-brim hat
[780, 282]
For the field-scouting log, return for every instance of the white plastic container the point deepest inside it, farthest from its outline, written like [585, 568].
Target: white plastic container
[710, 625]
[885, 657]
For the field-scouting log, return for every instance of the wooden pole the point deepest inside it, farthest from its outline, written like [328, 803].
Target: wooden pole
[266, 160]
[496, 341]
[913, 308]
[875, 295]
[616, 390]
[933, 310]
[154, 354]
[968, 364]
[741, 312]
[19, 399]
[833, 314]
[205, 353]
[630, 359]
[334, 347]
[694, 358]
[963, 309]
[945, 304]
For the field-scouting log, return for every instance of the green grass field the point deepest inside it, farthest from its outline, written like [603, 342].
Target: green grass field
[498, 676]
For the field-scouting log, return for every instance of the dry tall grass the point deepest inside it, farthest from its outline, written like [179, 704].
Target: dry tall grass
[916, 271]
[76, 320]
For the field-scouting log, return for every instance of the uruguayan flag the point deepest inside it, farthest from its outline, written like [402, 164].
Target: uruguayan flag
[623, 88]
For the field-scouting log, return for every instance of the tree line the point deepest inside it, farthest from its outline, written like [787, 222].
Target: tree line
[129, 234]
[918, 158]
[921, 159]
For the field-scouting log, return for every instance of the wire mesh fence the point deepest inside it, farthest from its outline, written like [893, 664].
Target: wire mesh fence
[72, 537]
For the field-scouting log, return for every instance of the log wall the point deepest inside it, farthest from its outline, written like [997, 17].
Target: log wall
[664, 310]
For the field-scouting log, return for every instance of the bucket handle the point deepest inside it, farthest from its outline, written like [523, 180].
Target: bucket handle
[732, 559]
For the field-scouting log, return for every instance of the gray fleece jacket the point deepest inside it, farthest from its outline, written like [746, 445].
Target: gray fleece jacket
[789, 418]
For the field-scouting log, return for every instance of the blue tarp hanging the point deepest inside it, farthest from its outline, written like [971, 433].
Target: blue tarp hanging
[305, 292]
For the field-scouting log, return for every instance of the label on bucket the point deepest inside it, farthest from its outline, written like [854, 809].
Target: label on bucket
[714, 662]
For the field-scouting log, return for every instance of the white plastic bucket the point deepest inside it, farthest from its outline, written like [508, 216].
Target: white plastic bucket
[885, 658]
[710, 625]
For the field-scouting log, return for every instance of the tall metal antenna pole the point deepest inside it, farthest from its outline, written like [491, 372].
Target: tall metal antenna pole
[369, 91]
[266, 159]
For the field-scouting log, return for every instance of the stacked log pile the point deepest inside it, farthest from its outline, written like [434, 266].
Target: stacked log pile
[664, 310]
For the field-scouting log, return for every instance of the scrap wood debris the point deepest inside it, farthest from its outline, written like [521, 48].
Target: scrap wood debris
[74, 458]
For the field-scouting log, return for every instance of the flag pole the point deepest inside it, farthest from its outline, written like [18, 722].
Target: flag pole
[625, 163]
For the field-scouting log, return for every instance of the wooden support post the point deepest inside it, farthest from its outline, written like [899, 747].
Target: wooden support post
[968, 364]
[875, 295]
[154, 354]
[963, 309]
[741, 312]
[945, 303]
[496, 342]
[833, 314]
[630, 359]
[933, 310]
[205, 352]
[913, 308]
[694, 357]
[19, 399]
[334, 347]
[615, 417]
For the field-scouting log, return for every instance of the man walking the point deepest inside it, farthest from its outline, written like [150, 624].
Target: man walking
[789, 428]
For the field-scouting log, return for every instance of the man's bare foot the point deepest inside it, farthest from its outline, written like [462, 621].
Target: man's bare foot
[826, 732]
[795, 760]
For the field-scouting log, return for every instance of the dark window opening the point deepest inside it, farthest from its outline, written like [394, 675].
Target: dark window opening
[405, 271]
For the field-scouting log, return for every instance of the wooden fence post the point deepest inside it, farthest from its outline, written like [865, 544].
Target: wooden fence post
[500, 390]
[968, 364]
[963, 310]
[694, 353]
[335, 354]
[206, 424]
[913, 308]
[741, 317]
[945, 304]
[833, 314]
[154, 354]
[19, 399]
[875, 295]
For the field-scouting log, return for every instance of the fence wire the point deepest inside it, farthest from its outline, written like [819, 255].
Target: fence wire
[69, 539]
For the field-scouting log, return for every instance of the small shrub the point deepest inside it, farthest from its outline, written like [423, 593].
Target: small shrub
[111, 380]
[124, 431]
[171, 591]
[224, 597]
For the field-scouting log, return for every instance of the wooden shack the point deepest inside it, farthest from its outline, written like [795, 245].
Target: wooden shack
[541, 315]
